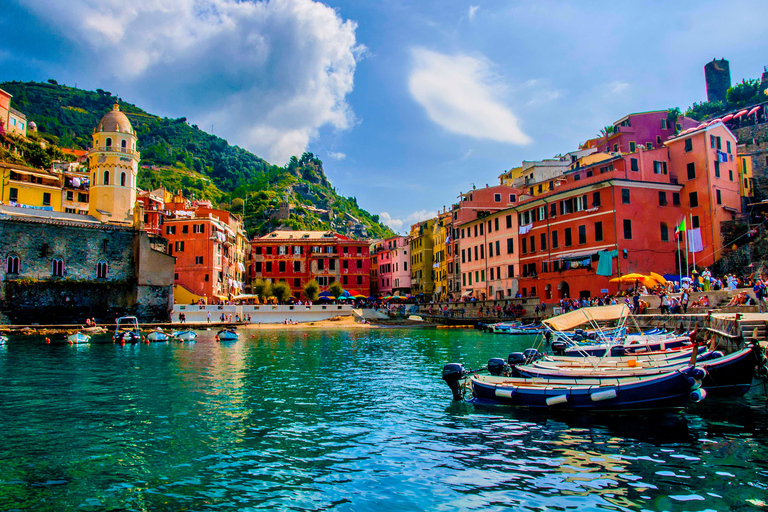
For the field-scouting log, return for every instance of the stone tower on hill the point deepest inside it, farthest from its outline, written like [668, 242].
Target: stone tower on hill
[718, 77]
[114, 165]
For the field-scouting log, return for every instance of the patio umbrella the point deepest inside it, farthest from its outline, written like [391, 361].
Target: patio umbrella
[360, 297]
[727, 118]
[649, 282]
[372, 298]
[753, 111]
[658, 277]
[629, 278]
[325, 294]
[740, 113]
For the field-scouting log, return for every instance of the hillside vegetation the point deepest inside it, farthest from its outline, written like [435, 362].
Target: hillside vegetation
[180, 156]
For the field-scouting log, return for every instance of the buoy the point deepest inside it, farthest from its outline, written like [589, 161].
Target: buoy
[603, 395]
[554, 400]
[48, 340]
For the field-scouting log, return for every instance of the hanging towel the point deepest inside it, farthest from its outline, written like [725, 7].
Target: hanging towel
[605, 264]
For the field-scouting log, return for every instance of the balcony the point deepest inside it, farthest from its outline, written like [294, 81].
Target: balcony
[115, 149]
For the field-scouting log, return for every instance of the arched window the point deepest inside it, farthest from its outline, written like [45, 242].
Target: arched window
[94, 179]
[101, 270]
[123, 144]
[57, 267]
[12, 264]
[108, 142]
[122, 179]
[106, 177]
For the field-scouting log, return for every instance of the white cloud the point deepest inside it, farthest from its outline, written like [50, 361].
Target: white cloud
[461, 94]
[617, 87]
[472, 11]
[413, 218]
[267, 74]
[337, 156]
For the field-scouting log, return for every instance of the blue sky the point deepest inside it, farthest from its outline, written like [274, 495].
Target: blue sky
[407, 103]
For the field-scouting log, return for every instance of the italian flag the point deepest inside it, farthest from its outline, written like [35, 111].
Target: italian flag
[680, 227]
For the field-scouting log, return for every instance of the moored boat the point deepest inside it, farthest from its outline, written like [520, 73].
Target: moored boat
[127, 330]
[3, 339]
[227, 335]
[78, 338]
[158, 335]
[184, 335]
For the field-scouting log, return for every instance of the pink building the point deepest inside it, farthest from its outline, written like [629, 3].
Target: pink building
[389, 267]
[488, 256]
[647, 129]
[705, 164]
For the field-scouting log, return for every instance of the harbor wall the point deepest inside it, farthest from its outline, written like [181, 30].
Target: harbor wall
[265, 314]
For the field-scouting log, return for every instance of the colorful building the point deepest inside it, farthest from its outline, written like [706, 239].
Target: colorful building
[389, 267]
[746, 175]
[422, 275]
[641, 129]
[15, 122]
[488, 258]
[296, 257]
[441, 247]
[27, 187]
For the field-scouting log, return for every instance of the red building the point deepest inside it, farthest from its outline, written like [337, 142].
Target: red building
[296, 257]
[648, 130]
[627, 206]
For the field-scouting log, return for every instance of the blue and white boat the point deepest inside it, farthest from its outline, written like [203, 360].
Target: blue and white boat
[227, 335]
[78, 339]
[158, 335]
[184, 335]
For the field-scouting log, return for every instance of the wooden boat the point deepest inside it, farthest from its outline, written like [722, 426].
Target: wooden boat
[185, 335]
[158, 335]
[673, 389]
[227, 335]
[127, 330]
[78, 338]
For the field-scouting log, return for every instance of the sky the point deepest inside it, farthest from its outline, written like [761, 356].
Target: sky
[408, 103]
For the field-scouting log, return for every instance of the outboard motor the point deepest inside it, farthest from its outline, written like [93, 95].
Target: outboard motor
[452, 374]
[558, 347]
[531, 354]
[516, 358]
[548, 336]
[496, 366]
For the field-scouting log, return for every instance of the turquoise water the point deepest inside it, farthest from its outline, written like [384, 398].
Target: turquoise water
[342, 420]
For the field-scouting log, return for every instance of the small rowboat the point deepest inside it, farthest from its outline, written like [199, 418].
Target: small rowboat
[78, 338]
[158, 336]
[185, 335]
[227, 335]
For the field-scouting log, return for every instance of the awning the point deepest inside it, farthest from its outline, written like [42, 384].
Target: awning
[754, 110]
[464, 294]
[740, 113]
[568, 321]
[730, 209]
[727, 118]
[438, 289]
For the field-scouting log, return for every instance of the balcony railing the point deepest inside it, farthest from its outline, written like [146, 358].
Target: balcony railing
[115, 149]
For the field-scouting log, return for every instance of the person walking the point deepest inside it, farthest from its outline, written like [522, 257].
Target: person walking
[684, 301]
[209, 317]
[760, 292]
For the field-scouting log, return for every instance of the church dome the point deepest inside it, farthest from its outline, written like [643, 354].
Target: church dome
[115, 121]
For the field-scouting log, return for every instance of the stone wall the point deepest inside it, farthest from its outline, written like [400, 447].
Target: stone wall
[34, 295]
[756, 139]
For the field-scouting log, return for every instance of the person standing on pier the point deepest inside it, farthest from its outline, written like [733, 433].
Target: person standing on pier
[760, 292]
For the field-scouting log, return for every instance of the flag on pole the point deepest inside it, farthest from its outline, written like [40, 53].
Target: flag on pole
[695, 244]
[680, 227]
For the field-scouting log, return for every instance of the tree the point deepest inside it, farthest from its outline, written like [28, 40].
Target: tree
[52, 81]
[237, 205]
[262, 288]
[673, 114]
[336, 289]
[281, 291]
[311, 289]
[744, 93]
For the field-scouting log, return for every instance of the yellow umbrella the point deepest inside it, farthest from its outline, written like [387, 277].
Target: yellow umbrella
[649, 282]
[629, 278]
[659, 278]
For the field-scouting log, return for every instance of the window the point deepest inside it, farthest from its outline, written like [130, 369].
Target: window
[598, 231]
[589, 174]
[691, 170]
[512, 198]
[675, 198]
[492, 274]
[359, 250]
[582, 234]
[179, 246]
[718, 143]
[510, 271]
[57, 267]
[297, 266]
[489, 227]
[730, 174]
[360, 280]
[576, 177]
[481, 227]
[659, 167]
[533, 244]
[82, 198]
[633, 164]
[359, 264]
[200, 228]
[463, 256]
[108, 142]
[490, 249]
[296, 282]
[498, 248]
[70, 195]
[695, 221]
[106, 177]
[12, 264]
[185, 229]
[269, 266]
[728, 145]
[663, 124]
[207, 278]
[625, 196]
[344, 280]
[693, 199]
[632, 147]
[568, 241]
[543, 241]
[510, 247]
[482, 251]
[46, 199]
[122, 179]
[198, 260]
[345, 264]
[712, 141]
[553, 210]
[717, 169]
[496, 198]
[101, 270]
[554, 240]
[509, 222]
[688, 145]
[717, 195]
[542, 213]
[281, 266]
[176, 276]
[664, 232]
[615, 148]
[627, 229]
[662, 198]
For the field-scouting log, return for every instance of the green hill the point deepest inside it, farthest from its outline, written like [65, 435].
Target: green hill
[180, 156]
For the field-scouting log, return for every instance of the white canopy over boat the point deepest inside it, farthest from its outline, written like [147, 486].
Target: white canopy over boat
[572, 319]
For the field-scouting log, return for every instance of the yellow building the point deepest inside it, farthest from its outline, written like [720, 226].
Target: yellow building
[114, 166]
[422, 279]
[440, 232]
[509, 177]
[744, 165]
[28, 187]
